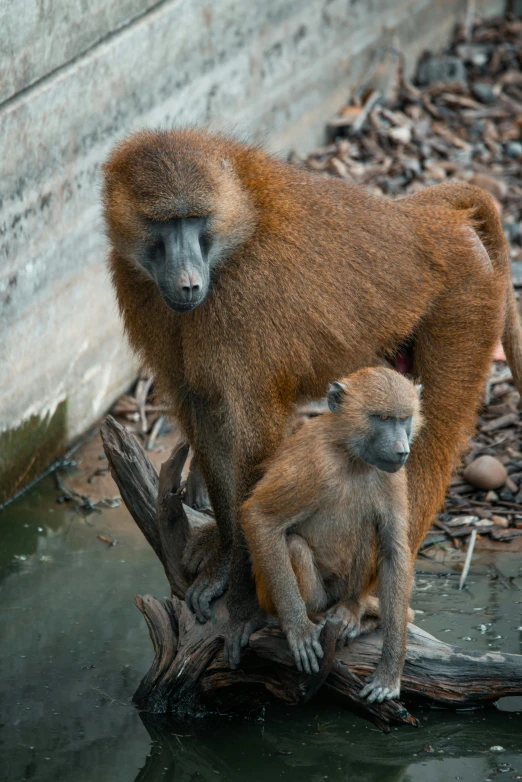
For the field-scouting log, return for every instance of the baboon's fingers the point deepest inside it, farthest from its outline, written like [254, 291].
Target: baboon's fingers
[188, 597]
[312, 659]
[198, 599]
[317, 648]
[296, 651]
[374, 695]
[204, 603]
[376, 691]
[305, 661]
[381, 694]
[349, 631]
[232, 651]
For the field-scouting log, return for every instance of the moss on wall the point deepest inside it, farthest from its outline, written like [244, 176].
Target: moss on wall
[29, 449]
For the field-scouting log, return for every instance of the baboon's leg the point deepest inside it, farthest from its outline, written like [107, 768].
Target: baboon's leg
[371, 613]
[452, 358]
[308, 577]
[258, 433]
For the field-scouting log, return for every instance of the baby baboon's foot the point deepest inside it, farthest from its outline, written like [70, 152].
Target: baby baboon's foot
[379, 688]
[237, 636]
[350, 623]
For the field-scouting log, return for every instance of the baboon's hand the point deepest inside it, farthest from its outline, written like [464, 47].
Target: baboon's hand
[238, 634]
[303, 640]
[381, 687]
[210, 582]
[200, 549]
[350, 624]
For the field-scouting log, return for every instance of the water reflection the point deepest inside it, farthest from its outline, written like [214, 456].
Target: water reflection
[316, 744]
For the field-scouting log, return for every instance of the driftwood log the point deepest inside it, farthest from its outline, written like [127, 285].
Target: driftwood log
[188, 676]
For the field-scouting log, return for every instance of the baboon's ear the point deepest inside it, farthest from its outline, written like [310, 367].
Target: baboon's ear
[418, 390]
[336, 393]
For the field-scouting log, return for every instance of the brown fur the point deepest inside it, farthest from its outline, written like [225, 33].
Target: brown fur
[321, 278]
[321, 524]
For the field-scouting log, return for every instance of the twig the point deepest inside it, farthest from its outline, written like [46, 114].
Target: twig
[368, 106]
[155, 432]
[467, 563]
[469, 20]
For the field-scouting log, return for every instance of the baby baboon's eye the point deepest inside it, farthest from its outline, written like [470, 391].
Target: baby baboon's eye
[384, 417]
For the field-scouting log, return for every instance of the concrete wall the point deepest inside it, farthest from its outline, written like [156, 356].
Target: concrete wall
[77, 75]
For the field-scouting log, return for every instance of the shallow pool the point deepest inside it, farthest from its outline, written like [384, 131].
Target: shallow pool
[74, 648]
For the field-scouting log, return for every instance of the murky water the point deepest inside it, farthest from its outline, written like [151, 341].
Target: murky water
[74, 647]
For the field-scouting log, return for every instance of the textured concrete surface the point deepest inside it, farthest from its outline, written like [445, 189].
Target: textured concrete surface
[75, 77]
[39, 36]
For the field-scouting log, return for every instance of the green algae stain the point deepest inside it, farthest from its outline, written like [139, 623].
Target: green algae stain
[28, 450]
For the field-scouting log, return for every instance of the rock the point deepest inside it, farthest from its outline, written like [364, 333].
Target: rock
[401, 134]
[441, 69]
[500, 521]
[512, 486]
[514, 149]
[483, 91]
[485, 473]
[491, 496]
[506, 494]
[462, 521]
[473, 53]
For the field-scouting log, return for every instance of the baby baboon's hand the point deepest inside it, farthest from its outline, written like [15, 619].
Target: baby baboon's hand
[237, 636]
[380, 687]
[303, 640]
[350, 623]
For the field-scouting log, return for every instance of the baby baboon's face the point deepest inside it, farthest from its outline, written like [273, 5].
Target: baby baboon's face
[387, 442]
[379, 415]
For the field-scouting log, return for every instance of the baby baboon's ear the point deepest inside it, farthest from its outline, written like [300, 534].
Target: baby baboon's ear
[336, 393]
[418, 390]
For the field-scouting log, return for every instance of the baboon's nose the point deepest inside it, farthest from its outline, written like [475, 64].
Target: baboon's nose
[189, 286]
[190, 291]
[402, 449]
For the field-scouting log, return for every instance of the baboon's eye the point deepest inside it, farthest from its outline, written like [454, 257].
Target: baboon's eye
[403, 417]
[384, 417]
[158, 251]
[204, 243]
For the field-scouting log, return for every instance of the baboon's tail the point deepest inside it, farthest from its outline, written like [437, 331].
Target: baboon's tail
[512, 338]
[486, 222]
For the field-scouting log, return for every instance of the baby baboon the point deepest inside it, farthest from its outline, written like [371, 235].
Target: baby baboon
[331, 514]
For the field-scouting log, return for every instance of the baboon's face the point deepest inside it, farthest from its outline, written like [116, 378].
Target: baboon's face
[379, 415]
[179, 258]
[386, 444]
[175, 208]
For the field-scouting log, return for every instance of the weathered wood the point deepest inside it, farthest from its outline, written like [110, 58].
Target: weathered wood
[442, 673]
[188, 676]
[135, 477]
[172, 522]
[163, 629]
[196, 495]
